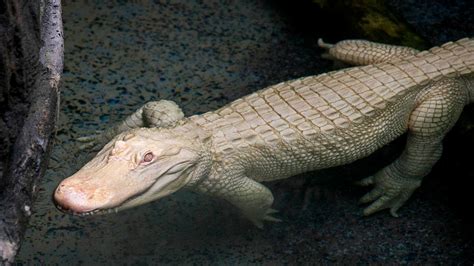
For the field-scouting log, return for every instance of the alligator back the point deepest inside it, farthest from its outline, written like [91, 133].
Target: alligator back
[333, 118]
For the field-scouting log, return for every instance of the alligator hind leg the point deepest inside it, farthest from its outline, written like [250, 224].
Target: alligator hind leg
[361, 52]
[438, 108]
[161, 113]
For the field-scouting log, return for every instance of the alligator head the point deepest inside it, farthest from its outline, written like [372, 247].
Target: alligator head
[134, 168]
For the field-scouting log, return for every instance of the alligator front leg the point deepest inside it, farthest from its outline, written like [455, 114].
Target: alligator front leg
[438, 108]
[162, 113]
[361, 52]
[252, 198]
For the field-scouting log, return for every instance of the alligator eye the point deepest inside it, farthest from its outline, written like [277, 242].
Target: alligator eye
[148, 157]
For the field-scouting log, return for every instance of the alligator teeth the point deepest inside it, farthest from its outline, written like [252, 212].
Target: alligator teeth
[96, 211]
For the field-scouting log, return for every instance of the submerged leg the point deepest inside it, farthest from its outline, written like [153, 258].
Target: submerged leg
[438, 108]
[252, 198]
[361, 52]
[161, 113]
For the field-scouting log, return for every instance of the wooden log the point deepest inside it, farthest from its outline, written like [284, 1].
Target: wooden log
[31, 67]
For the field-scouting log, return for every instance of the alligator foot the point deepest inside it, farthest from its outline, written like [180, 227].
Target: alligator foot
[388, 192]
[162, 113]
[91, 142]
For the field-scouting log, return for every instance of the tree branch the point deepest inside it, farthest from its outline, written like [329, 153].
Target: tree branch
[36, 50]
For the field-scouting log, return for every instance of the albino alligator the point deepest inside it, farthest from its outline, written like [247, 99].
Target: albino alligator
[295, 126]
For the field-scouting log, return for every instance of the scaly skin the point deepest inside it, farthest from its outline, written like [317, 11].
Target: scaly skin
[295, 126]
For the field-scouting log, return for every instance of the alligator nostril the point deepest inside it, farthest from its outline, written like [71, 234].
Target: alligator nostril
[58, 189]
[72, 199]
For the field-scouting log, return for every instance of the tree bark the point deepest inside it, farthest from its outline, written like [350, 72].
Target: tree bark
[31, 63]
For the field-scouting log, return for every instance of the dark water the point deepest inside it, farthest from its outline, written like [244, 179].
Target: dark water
[203, 55]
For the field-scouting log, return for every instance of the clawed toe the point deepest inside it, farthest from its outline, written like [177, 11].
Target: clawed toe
[86, 146]
[92, 145]
[386, 202]
[324, 45]
[90, 142]
[371, 196]
[89, 138]
[271, 218]
[366, 181]
[380, 204]
[267, 216]
[271, 211]
[388, 193]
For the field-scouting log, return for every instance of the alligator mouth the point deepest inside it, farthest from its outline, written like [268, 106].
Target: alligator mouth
[97, 211]
[69, 211]
[88, 213]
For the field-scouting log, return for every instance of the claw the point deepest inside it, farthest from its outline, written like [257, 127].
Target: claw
[86, 139]
[371, 196]
[378, 205]
[271, 211]
[90, 137]
[86, 146]
[393, 212]
[388, 193]
[366, 181]
[324, 45]
[399, 203]
[271, 219]
[92, 146]
[258, 220]
[90, 142]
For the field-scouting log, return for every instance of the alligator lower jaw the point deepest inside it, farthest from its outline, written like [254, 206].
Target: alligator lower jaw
[68, 211]
[89, 213]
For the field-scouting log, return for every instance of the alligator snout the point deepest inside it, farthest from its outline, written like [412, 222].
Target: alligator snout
[74, 199]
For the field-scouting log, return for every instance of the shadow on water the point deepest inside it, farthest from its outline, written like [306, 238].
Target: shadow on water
[203, 55]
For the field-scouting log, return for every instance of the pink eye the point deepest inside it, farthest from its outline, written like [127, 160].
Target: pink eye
[148, 157]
